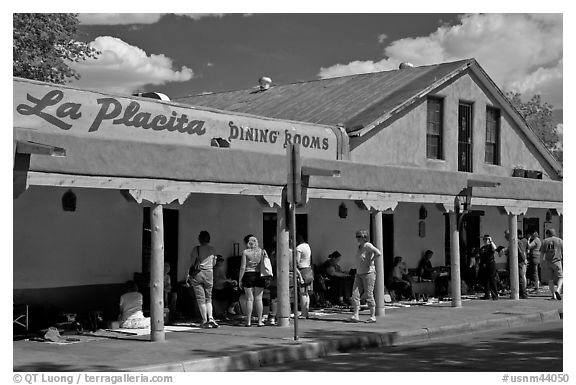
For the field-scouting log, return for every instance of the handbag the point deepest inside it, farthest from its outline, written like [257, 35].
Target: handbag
[265, 265]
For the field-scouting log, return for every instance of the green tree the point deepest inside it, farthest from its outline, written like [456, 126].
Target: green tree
[538, 115]
[44, 43]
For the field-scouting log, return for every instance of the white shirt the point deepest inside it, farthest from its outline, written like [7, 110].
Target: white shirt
[304, 257]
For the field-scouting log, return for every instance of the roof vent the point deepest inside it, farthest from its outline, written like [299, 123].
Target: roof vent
[153, 95]
[265, 83]
[405, 65]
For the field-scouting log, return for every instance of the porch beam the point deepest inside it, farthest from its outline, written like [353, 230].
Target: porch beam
[106, 182]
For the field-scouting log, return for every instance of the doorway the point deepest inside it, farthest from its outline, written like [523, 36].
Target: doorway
[530, 225]
[269, 229]
[170, 242]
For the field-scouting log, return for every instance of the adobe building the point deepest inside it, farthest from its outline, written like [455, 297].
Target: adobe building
[89, 168]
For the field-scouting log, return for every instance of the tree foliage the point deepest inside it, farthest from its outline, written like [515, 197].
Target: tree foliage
[538, 115]
[44, 43]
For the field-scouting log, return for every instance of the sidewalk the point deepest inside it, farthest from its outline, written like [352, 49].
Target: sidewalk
[235, 348]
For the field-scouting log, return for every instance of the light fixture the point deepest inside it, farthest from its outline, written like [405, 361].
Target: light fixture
[548, 216]
[423, 213]
[464, 200]
[69, 201]
[342, 210]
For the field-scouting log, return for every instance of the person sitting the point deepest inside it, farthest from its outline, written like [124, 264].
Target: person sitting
[225, 289]
[170, 297]
[400, 283]
[425, 269]
[340, 287]
[131, 316]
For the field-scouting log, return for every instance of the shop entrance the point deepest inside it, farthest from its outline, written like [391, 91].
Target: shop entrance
[170, 244]
[269, 229]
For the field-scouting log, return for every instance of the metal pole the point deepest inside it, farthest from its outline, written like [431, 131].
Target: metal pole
[294, 266]
[455, 259]
[157, 275]
[513, 256]
[379, 243]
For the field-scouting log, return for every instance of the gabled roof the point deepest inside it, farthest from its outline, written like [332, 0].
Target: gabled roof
[353, 101]
[361, 103]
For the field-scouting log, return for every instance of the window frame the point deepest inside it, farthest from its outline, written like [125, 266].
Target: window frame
[492, 139]
[437, 147]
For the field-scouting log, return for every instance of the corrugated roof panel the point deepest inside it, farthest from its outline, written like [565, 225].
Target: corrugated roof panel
[353, 100]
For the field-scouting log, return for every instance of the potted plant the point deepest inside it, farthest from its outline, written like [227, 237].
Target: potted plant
[518, 172]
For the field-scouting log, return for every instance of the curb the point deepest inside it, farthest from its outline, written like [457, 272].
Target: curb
[316, 349]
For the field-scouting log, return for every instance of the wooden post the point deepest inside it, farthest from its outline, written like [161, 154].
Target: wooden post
[282, 255]
[455, 260]
[513, 256]
[157, 275]
[379, 243]
[294, 266]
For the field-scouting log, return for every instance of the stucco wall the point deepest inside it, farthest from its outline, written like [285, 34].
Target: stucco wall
[408, 244]
[99, 243]
[403, 142]
[227, 218]
[328, 232]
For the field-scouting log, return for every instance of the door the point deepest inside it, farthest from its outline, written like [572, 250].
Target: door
[530, 225]
[170, 243]
[269, 229]
[465, 137]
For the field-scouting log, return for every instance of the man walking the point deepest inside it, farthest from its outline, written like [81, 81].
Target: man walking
[551, 250]
[534, 245]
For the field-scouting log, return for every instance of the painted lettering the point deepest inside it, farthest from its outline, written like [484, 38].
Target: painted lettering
[234, 131]
[50, 99]
[325, 143]
[315, 142]
[196, 127]
[104, 114]
[287, 138]
[71, 110]
[274, 136]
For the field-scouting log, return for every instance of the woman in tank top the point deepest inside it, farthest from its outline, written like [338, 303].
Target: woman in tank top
[250, 279]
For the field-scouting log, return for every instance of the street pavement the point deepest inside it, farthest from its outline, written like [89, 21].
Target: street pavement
[531, 348]
[234, 348]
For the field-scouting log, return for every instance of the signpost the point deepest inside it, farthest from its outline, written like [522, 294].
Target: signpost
[297, 184]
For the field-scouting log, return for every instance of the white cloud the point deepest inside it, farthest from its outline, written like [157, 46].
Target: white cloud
[382, 37]
[520, 52]
[123, 68]
[134, 18]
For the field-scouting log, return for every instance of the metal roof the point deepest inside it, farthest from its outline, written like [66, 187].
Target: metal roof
[354, 101]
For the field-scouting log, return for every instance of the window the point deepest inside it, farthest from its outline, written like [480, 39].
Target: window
[492, 153]
[434, 129]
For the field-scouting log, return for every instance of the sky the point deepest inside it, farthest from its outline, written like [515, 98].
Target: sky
[186, 54]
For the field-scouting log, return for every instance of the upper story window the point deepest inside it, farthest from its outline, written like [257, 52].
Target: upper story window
[492, 152]
[434, 128]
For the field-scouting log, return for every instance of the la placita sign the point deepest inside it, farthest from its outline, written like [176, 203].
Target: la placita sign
[48, 107]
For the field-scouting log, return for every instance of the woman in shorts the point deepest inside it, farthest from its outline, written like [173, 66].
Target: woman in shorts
[250, 279]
